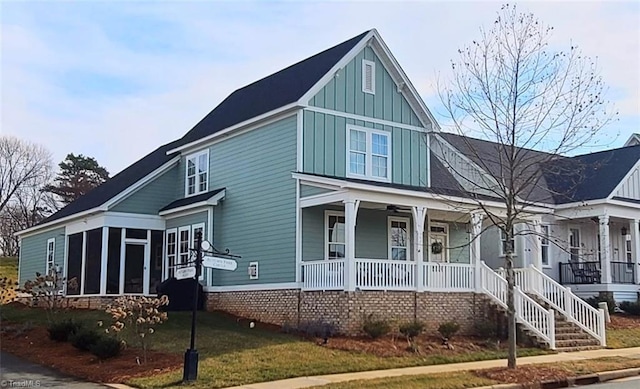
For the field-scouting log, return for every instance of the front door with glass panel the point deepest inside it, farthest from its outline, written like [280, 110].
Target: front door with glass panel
[438, 240]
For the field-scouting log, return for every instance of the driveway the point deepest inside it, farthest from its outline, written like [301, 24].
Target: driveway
[18, 373]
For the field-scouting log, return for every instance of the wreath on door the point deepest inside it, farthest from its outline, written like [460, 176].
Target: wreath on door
[436, 247]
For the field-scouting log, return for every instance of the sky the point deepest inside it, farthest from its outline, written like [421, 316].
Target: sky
[115, 80]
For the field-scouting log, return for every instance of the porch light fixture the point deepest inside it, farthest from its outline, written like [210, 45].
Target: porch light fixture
[624, 231]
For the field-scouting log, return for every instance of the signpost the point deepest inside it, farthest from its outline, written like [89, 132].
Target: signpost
[185, 272]
[213, 259]
[219, 263]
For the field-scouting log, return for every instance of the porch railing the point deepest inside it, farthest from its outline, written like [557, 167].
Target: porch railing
[385, 274]
[532, 280]
[590, 273]
[323, 275]
[528, 312]
[449, 276]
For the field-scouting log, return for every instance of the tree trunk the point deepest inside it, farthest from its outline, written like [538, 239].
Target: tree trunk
[511, 311]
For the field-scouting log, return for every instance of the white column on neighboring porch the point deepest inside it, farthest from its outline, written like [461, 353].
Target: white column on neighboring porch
[605, 249]
[635, 246]
[419, 214]
[536, 249]
[350, 215]
[474, 244]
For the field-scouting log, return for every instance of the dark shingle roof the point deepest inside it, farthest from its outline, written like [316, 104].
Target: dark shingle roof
[117, 183]
[271, 92]
[265, 95]
[560, 179]
[191, 200]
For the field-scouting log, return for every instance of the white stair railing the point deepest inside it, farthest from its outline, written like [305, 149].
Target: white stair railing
[529, 313]
[562, 299]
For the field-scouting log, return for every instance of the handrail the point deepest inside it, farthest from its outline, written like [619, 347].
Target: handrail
[562, 299]
[528, 312]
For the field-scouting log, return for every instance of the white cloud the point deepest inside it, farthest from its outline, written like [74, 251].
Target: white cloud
[182, 59]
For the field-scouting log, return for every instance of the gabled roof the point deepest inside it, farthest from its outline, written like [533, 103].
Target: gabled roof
[117, 183]
[272, 92]
[561, 179]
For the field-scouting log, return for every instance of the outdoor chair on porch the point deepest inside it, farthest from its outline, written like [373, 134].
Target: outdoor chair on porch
[585, 272]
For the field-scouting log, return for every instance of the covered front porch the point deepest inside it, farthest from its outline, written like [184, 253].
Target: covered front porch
[355, 239]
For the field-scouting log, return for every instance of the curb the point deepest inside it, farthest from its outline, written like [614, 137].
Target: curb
[587, 379]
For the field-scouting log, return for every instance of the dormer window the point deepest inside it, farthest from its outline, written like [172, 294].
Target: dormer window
[197, 173]
[368, 76]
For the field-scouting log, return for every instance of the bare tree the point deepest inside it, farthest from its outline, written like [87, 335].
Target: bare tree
[511, 88]
[22, 165]
[25, 169]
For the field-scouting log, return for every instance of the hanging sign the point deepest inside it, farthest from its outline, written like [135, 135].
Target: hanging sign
[219, 263]
[185, 272]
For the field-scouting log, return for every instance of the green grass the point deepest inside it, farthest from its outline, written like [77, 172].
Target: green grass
[9, 268]
[623, 338]
[457, 380]
[234, 354]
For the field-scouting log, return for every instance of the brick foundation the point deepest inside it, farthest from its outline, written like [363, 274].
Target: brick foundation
[347, 310]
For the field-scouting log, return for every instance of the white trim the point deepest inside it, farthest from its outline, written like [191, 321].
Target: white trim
[428, 136]
[624, 180]
[197, 173]
[368, 164]
[123, 253]
[254, 122]
[327, 214]
[141, 183]
[117, 219]
[300, 140]
[184, 210]
[298, 234]
[409, 246]
[634, 138]
[579, 246]
[257, 273]
[209, 272]
[104, 260]
[365, 118]
[323, 198]
[42, 228]
[317, 185]
[65, 263]
[253, 287]
[366, 63]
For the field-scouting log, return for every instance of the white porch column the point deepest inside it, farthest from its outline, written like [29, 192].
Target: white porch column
[635, 246]
[419, 214]
[536, 250]
[605, 249]
[350, 214]
[474, 245]
[103, 261]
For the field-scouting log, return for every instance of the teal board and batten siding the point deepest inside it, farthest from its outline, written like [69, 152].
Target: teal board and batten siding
[188, 220]
[257, 218]
[153, 196]
[33, 253]
[458, 243]
[325, 148]
[344, 93]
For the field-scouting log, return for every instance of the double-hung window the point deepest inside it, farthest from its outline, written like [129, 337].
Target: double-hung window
[544, 245]
[335, 236]
[369, 153]
[171, 251]
[628, 254]
[504, 243]
[399, 239]
[197, 172]
[51, 253]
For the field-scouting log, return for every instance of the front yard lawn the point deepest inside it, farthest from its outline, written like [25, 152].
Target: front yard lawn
[232, 353]
[623, 331]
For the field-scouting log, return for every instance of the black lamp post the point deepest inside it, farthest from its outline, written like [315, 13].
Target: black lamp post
[191, 355]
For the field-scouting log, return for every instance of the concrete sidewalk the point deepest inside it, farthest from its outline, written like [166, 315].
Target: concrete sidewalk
[305, 382]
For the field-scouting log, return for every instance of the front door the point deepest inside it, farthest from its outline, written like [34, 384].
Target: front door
[437, 241]
[136, 268]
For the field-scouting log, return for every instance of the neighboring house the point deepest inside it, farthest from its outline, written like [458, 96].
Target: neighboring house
[322, 176]
[633, 140]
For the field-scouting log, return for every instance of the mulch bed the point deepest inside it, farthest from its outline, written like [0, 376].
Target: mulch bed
[528, 374]
[34, 345]
[621, 321]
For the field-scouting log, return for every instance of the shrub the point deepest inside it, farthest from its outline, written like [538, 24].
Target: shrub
[594, 301]
[45, 290]
[106, 347]
[411, 329]
[631, 308]
[486, 329]
[448, 329]
[62, 331]
[318, 329]
[84, 339]
[375, 328]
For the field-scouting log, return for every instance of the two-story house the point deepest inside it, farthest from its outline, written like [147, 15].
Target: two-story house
[331, 179]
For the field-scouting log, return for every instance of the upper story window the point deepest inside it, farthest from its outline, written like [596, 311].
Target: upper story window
[369, 154]
[197, 173]
[368, 76]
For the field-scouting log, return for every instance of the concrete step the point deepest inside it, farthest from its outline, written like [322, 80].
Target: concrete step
[581, 348]
[577, 343]
[572, 335]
